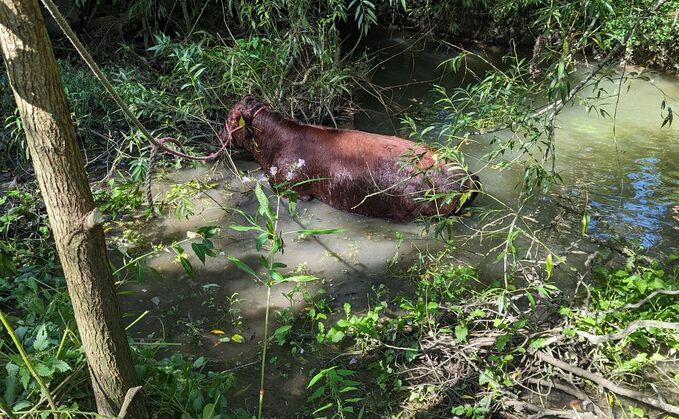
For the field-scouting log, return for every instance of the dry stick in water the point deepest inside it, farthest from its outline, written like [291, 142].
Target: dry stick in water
[607, 384]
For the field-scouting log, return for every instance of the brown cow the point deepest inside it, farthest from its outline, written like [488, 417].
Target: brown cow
[355, 171]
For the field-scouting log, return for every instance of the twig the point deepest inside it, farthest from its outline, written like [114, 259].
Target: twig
[149, 176]
[305, 78]
[129, 396]
[631, 328]
[607, 384]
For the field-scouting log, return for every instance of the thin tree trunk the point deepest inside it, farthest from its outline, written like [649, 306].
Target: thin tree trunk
[74, 220]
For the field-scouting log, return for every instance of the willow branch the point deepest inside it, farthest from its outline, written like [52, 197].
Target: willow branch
[559, 104]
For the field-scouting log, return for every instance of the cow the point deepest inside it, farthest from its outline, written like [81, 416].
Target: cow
[355, 171]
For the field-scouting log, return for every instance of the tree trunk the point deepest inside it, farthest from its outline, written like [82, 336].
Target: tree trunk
[74, 220]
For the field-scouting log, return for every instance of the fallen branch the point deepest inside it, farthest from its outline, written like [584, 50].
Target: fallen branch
[638, 304]
[572, 390]
[521, 406]
[607, 384]
[631, 328]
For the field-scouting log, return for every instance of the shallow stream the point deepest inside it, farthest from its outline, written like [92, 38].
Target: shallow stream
[632, 185]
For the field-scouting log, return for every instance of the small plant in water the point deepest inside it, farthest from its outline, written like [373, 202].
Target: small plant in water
[269, 242]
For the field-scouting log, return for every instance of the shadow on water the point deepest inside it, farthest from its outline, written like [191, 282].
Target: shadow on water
[632, 182]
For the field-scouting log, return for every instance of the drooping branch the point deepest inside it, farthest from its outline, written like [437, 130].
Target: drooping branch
[558, 105]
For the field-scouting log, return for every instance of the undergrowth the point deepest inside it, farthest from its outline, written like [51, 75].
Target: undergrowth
[458, 347]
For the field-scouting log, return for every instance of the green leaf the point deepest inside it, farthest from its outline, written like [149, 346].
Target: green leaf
[276, 276]
[292, 203]
[239, 227]
[549, 265]
[61, 366]
[461, 332]
[584, 223]
[209, 411]
[43, 370]
[263, 201]
[261, 239]
[42, 339]
[25, 376]
[209, 231]
[242, 266]
[335, 335]
[186, 265]
[501, 342]
[538, 343]
[200, 362]
[318, 376]
[322, 408]
[199, 250]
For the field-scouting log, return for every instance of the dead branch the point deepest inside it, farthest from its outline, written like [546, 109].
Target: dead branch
[571, 389]
[631, 328]
[607, 384]
[638, 304]
[521, 406]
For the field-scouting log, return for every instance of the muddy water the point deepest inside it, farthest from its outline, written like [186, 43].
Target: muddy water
[631, 184]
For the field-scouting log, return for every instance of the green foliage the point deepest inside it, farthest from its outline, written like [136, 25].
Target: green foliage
[335, 394]
[120, 197]
[24, 227]
[184, 388]
[656, 42]
[34, 295]
[450, 309]
[641, 291]
[362, 328]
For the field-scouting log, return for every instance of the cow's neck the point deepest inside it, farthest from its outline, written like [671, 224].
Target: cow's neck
[269, 132]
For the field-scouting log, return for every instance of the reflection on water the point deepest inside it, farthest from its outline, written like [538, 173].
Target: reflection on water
[642, 206]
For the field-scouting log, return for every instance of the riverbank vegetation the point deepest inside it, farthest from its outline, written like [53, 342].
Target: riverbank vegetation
[455, 339]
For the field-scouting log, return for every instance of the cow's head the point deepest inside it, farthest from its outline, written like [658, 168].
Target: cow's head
[239, 119]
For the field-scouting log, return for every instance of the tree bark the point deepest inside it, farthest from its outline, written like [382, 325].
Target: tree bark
[75, 222]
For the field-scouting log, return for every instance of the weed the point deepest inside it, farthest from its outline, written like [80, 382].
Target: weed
[335, 393]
